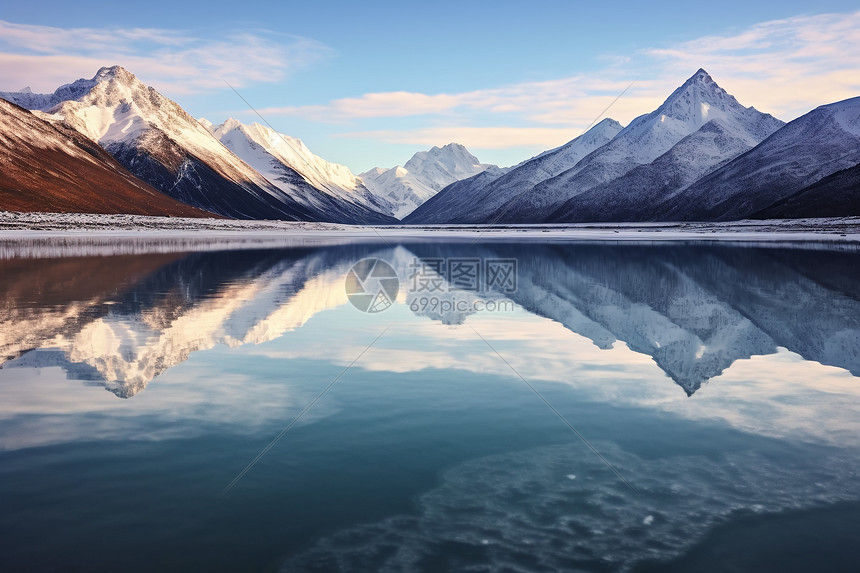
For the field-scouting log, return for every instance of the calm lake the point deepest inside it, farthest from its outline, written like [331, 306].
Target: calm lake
[432, 406]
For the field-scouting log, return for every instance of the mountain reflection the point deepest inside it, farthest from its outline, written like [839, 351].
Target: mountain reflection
[121, 321]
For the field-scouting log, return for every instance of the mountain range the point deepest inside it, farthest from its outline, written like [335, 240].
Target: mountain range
[160, 143]
[701, 155]
[478, 199]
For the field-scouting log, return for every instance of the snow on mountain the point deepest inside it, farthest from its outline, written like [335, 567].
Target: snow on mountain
[483, 196]
[33, 101]
[294, 153]
[644, 192]
[441, 166]
[806, 150]
[424, 175]
[47, 167]
[328, 189]
[162, 144]
[700, 155]
[402, 190]
[698, 101]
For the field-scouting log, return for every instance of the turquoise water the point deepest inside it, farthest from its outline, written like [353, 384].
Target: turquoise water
[618, 408]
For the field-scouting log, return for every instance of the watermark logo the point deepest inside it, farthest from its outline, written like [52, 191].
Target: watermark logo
[433, 284]
[372, 285]
[464, 275]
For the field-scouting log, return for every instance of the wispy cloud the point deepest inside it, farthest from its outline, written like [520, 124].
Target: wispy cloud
[493, 137]
[177, 61]
[534, 100]
[784, 67]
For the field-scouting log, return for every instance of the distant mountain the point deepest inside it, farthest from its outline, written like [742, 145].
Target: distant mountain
[837, 195]
[475, 200]
[806, 150]
[440, 166]
[328, 190]
[401, 189]
[424, 175]
[53, 168]
[159, 142]
[695, 103]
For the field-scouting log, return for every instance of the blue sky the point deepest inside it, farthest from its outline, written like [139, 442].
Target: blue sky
[368, 84]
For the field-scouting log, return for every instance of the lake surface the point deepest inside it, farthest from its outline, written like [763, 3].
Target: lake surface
[432, 407]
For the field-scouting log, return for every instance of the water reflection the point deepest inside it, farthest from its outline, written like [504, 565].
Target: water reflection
[695, 310]
[720, 380]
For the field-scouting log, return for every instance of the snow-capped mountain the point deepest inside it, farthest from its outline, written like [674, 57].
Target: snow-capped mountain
[441, 166]
[811, 147]
[698, 101]
[700, 156]
[329, 190]
[645, 192]
[33, 101]
[483, 196]
[402, 190]
[424, 175]
[159, 142]
[47, 167]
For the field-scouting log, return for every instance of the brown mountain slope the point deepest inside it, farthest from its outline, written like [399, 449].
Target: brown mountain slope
[51, 168]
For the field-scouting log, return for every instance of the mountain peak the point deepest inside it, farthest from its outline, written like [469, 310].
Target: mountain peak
[701, 75]
[696, 101]
[113, 73]
[437, 150]
[76, 90]
[700, 80]
[230, 124]
[452, 158]
[609, 123]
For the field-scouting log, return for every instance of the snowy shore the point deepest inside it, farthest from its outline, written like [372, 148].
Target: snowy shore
[38, 234]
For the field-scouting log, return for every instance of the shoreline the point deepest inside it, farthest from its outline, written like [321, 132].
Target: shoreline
[41, 234]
